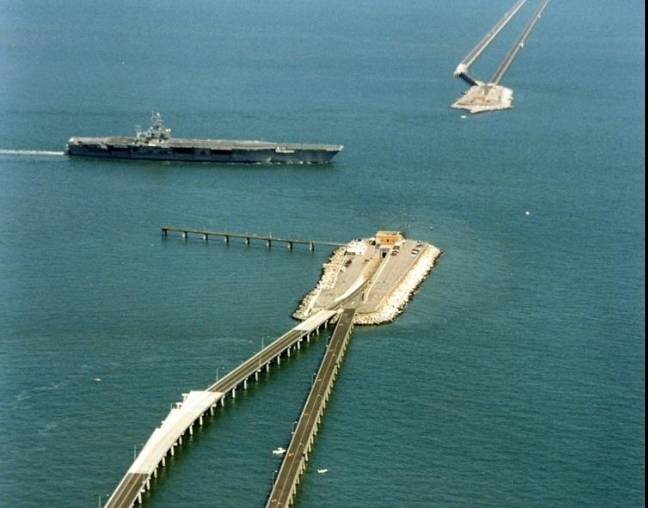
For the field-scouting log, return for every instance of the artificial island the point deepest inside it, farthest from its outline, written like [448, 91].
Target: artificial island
[492, 96]
[366, 282]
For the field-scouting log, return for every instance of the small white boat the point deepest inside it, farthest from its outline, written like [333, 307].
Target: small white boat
[278, 451]
[322, 471]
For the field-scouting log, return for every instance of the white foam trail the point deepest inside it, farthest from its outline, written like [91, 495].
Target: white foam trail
[47, 153]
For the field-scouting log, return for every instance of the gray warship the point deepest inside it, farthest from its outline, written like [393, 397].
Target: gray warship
[156, 143]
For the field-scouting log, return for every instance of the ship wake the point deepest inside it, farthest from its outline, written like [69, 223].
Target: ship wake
[32, 153]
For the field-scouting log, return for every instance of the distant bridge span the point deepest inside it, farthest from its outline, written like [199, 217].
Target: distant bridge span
[462, 69]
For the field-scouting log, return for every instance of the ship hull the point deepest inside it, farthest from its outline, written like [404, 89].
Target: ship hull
[205, 151]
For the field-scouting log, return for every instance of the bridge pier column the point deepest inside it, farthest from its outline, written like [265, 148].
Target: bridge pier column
[155, 473]
[173, 449]
[247, 241]
[279, 359]
[311, 246]
[148, 484]
[308, 337]
[205, 236]
[256, 375]
[268, 367]
[269, 242]
[139, 498]
[245, 384]
[223, 400]
[211, 410]
[165, 232]
[184, 235]
[299, 345]
[226, 239]
[288, 351]
[233, 393]
[200, 421]
[191, 429]
[164, 461]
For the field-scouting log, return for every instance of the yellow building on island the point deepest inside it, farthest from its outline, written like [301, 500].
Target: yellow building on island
[389, 238]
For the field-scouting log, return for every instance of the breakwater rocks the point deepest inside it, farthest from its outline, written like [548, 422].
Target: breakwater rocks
[396, 301]
[328, 279]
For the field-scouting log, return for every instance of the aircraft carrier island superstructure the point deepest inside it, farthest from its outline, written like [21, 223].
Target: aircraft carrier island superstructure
[156, 143]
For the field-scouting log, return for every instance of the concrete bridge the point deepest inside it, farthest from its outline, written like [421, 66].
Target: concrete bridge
[295, 459]
[519, 44]
[462, 69]
[191, 411]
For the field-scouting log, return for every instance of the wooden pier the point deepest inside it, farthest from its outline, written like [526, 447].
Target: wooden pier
[246, 237]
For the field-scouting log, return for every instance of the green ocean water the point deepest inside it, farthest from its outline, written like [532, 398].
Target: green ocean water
[514, 378]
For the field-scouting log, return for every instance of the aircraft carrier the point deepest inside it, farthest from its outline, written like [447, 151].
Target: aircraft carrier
[156, 143]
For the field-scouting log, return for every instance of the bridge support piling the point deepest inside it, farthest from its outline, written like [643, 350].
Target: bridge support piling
[311, 246]
[245, 384]
[290, 245]
[205, 236]
[247, 241]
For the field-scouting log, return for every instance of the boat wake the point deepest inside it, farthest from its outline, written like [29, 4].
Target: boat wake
[45, 153]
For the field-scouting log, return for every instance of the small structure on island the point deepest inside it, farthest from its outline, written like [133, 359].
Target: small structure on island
[389, 238]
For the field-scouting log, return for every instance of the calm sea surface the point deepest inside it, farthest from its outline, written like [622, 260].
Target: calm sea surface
[516, 375]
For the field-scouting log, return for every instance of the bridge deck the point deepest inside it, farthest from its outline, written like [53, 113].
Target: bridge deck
[294, 463]
[255, 363]
[519, 43]
[481, 46]
[182, 418]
